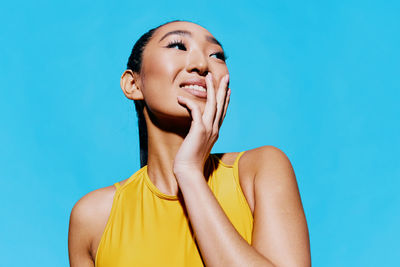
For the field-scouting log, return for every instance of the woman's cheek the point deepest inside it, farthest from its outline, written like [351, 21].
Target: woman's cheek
[160, 94]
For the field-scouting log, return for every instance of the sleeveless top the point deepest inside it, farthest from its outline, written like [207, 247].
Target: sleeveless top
[149, 228]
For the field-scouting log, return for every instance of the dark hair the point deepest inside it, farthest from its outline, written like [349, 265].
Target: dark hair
[135, 64]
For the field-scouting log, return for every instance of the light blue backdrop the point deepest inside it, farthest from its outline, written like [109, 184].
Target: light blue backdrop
[319, 80]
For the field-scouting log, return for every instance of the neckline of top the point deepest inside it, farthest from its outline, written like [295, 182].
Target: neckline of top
[162, 195]
[154, 189]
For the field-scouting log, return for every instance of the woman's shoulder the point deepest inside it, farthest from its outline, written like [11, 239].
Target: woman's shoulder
[89, 217]
[255, 158]
[93, 202]
[250, 163]
[259, 166]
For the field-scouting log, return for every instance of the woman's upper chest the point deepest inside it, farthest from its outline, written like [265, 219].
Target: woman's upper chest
[246, 187]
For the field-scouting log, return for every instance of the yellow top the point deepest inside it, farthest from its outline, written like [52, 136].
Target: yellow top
[149, 228]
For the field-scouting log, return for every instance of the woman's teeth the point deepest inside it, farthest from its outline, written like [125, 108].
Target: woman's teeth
[195, 87]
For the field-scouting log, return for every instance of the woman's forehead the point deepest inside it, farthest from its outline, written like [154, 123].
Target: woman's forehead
[180, 26]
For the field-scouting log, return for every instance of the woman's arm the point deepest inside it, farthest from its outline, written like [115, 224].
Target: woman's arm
[280, 230]
[87, 222]
[280, 235]
[79, 237]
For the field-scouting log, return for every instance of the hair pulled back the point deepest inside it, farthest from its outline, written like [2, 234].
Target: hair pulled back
[135, 64]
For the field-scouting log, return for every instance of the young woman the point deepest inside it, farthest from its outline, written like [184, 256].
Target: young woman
[185, 207]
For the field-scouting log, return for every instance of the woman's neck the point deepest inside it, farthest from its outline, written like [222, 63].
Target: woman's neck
[162, 148]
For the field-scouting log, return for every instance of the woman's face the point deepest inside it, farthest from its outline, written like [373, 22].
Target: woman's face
[175, 63]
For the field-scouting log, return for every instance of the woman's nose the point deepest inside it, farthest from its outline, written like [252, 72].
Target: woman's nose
[197, 62]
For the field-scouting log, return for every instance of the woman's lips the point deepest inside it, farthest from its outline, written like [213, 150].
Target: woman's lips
[195, 90]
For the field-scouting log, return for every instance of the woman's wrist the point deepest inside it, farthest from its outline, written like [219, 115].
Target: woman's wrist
[188, 175]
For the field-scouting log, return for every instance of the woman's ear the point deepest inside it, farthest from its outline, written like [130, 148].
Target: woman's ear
[129, 85]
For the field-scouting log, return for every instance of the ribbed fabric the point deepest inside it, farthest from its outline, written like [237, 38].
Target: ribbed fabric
[149, 228]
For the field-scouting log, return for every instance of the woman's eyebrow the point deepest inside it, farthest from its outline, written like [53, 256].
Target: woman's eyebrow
[213, 40]
[178, 32]
[187, 33]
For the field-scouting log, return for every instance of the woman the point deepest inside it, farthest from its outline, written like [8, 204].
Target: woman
[185, 207]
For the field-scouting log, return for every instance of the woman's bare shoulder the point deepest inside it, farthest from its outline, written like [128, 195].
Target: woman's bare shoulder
[253, 162]
[88, 219]
[253, 159]
[259, 154]
[93, 202]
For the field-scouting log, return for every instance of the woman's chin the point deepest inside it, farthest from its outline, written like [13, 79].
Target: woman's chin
[171, 119]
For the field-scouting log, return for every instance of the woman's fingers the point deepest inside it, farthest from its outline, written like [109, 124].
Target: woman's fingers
[228, 98]
[215, 108]
[221, 100]
[210, 107]
[193, 107]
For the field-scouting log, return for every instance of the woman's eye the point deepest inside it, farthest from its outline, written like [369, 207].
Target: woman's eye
[219, 55]
[177, 44]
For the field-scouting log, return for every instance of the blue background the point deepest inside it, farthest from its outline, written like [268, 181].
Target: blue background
[318, 80]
